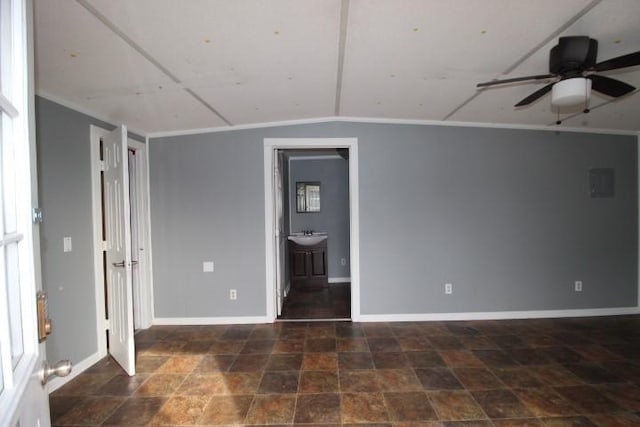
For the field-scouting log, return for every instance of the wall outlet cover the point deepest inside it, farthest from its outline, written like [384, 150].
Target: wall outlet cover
[67, 244]
[207, 267]
[233, 294]
[578, 286]
[448, 288]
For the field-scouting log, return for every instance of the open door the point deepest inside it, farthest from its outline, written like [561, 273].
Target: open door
[24, 400]
[118, 249]
[281, 237]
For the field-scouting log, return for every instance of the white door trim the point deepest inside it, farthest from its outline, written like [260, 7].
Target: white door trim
[144, 307]
[146, 290]
[148, 313]
[270, 146]
[98, 266]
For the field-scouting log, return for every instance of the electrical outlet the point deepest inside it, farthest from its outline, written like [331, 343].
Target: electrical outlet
[233, 294]
[578, 286]
[207, 267]
[448, 288]
[67, 244]
[343, 261]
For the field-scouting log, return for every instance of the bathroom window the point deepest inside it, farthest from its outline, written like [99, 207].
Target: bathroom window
[307, 197]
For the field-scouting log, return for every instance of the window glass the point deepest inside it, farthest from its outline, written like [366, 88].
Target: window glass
[1, 248]
[5, 42]
[8, 178]
[1, 373]
[12, 271]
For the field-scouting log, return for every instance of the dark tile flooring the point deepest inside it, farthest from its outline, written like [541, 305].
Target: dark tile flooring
[551, 372]
[332, 302]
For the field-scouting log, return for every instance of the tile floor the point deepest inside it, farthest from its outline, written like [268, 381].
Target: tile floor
[332, 302]
[563, 372]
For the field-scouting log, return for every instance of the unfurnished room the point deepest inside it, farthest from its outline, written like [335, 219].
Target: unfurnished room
[320, 212]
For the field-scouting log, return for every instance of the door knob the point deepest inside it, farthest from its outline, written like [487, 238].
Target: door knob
[60, 369]
[118, 264]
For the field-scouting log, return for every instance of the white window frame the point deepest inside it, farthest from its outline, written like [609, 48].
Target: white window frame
[15, 102]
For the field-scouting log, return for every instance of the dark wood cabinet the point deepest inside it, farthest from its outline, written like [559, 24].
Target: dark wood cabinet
[308, 266]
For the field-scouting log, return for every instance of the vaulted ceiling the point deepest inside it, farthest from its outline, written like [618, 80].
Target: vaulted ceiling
[165, 65]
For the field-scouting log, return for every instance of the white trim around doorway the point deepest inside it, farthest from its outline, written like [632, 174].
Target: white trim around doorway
[270, 146]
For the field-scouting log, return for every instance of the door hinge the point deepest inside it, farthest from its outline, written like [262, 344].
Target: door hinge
[36, 214]
[102, 165]
[106, 324]
[105, 245]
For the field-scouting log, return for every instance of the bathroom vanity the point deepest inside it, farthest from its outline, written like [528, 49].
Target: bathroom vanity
[308, 261]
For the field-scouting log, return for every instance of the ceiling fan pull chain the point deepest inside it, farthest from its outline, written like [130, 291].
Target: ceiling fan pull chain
[586, 99]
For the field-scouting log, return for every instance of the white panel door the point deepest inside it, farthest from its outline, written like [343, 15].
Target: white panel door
[281, 237]
[117, 222]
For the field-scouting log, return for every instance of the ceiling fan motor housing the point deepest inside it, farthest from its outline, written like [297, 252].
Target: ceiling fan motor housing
[572, 55]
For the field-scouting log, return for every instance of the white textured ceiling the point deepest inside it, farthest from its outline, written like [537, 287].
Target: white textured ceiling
[165, 65]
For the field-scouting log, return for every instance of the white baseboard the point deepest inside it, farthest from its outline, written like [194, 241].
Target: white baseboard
[77, 369]
[339, 279]
[497, 315]
[240, 320]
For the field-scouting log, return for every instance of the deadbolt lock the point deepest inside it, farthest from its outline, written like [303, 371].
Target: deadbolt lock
[44, 323]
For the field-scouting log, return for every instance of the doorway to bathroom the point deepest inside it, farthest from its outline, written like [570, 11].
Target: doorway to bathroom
[315, 219]
[311, 207]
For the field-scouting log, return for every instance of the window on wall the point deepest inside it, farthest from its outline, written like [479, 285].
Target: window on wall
[17, 284]
[307, 197]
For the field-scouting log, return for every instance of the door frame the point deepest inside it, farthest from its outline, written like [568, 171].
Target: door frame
[271, 145]
[146, 285]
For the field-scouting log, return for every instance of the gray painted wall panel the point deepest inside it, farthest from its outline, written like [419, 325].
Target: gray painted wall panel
[64, 191]
[207, 204]
[502, 214]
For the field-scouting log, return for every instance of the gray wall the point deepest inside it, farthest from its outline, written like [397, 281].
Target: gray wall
[502, 214]
[64, 191]
[207, 204]
[333, 175]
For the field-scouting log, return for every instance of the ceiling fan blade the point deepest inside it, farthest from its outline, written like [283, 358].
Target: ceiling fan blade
[516, 79]
[623, 61]
[535, 95]
[609, 86]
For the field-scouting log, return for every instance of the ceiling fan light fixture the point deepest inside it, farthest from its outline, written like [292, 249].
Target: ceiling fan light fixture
[571, 92]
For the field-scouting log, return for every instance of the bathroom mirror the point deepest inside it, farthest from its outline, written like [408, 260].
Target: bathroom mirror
[307, 197]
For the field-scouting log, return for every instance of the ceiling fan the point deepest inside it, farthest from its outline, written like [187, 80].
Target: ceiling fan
[572, 65]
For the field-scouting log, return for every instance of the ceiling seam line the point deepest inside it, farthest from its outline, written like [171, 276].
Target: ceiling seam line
[464, 104]
[552, 36]
[132, 44]
[526, 56]
[207, 105]
[342, 41]
[95, 12]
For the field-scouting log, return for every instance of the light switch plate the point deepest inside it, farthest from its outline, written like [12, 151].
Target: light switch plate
[67, 244]
[207, 267]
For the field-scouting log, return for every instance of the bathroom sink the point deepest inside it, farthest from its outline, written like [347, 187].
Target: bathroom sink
[308, 240]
